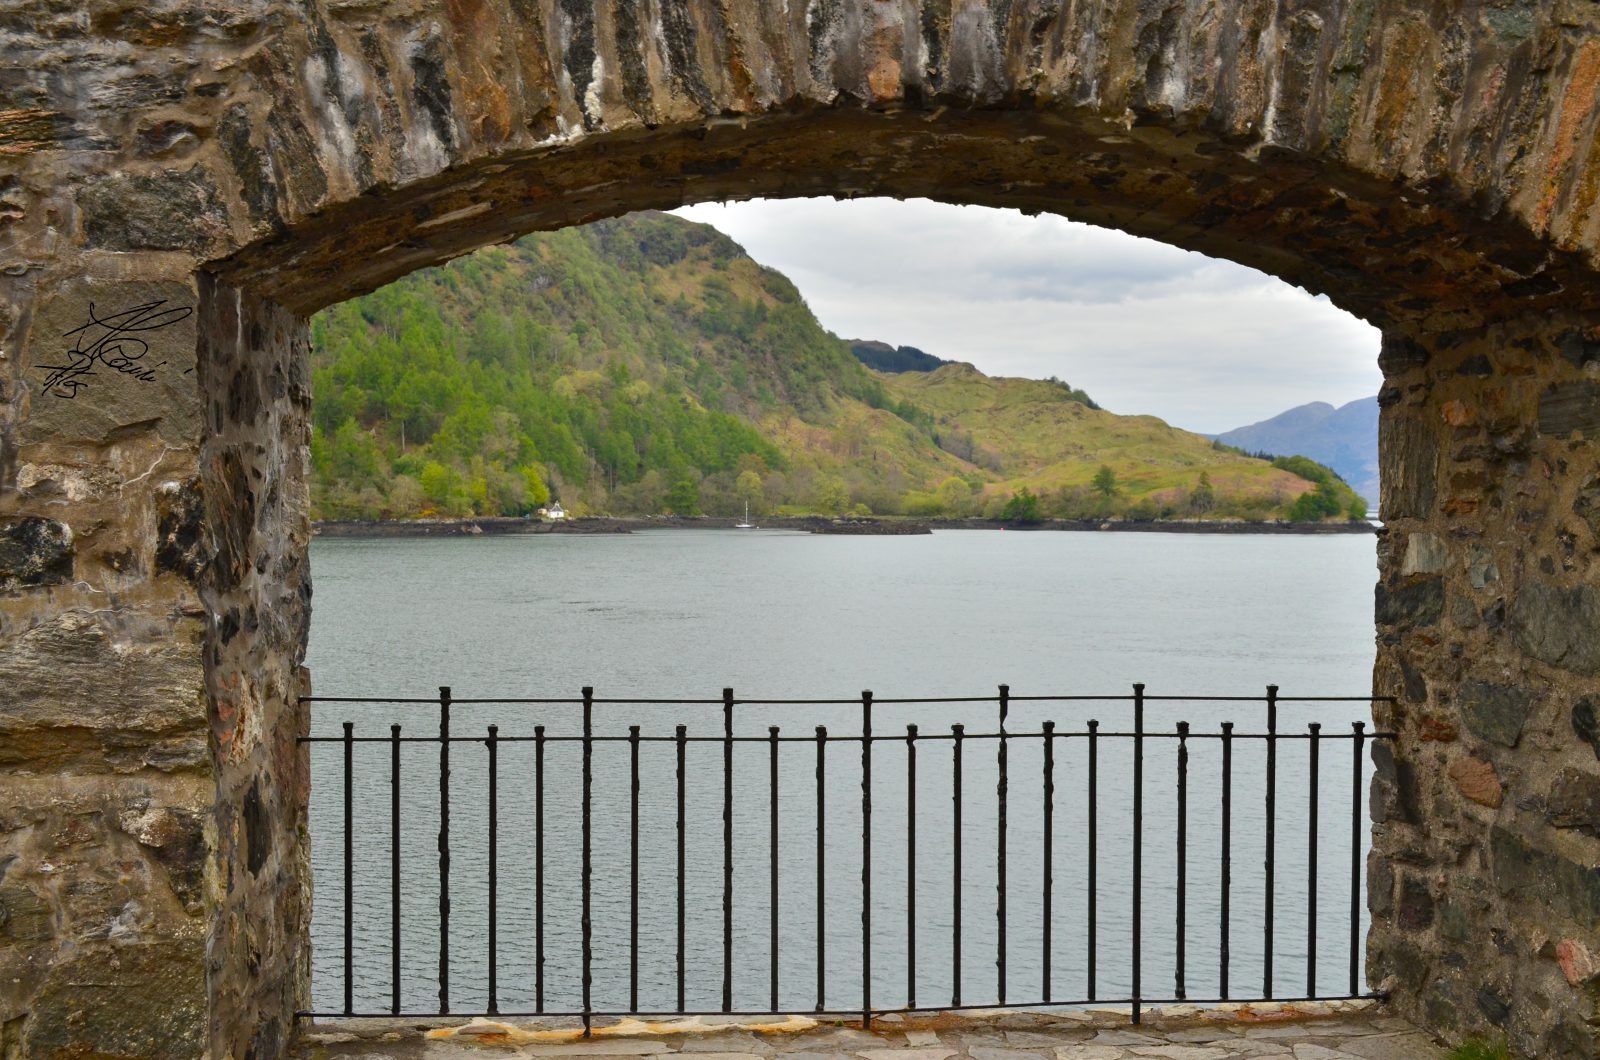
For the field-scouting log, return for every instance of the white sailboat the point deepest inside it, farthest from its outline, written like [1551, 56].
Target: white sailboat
[747, 524]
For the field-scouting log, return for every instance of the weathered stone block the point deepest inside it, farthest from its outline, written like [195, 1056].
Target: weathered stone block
[1586, 723]
[1425, 554]
[176, 210]
[1558, 626]
[76, 693]
[1410, 448]
[1477, 780]
[1570, 407]
[180, 510]
[142, 1000]
[1410, 604]
[1495, 712]
[1415, 912]
[1539, 880]
[1574, 801]
[109, 357]
[34, 551]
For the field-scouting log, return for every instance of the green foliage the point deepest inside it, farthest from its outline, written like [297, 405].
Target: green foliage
[1331, 497]
[1203, 498]
[646, 364]
[560, 365]
[1074, 393]
[1478, 1049]
[684, 497]
[1023, 507]
[1105, 482]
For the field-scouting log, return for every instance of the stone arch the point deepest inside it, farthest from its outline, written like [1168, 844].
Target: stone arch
[1430, 167]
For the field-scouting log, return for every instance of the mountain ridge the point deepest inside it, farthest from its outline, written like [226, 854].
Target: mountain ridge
[1344, 437]
[647, 364]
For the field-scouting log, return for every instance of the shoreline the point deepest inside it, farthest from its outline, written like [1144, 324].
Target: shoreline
[816, 524]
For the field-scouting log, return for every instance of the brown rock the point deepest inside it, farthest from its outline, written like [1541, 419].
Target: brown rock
[1456, 413]
[1577, 963]
[1437, 729]
[1477, 780]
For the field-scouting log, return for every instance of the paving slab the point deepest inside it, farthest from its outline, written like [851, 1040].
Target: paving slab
[1344, 1031]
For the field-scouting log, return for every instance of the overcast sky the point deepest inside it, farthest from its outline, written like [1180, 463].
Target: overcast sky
[1144, 327]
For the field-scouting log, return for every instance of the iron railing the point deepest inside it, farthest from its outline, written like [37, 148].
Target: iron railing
[572, 722]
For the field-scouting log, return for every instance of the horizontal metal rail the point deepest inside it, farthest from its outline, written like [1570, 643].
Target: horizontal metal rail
[794, 826]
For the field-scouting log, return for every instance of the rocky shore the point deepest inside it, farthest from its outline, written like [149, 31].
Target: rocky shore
[816, 524]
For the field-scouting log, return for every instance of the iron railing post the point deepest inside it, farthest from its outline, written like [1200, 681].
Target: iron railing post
[587, 926]
[1138, 843]
[1180, 971]
[444, 849]
[727, 850]
[494, 875]
[394, 870]
[866, 860]
[349, 868]
[1311, 861]
[1357, 746]
[1002, 794]
[911, 866]
[1271, 840]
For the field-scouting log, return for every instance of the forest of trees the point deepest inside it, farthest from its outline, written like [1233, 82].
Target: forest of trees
[647, 365]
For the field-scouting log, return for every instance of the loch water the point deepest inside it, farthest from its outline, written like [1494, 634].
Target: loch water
[786, 615]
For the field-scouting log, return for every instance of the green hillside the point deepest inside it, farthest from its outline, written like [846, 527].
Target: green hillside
[647, 364]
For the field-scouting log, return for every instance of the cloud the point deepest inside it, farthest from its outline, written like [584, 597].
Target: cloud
[1144, 327]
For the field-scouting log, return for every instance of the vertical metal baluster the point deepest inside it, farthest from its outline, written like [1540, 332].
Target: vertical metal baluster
[911, 866]
[587, 924]
[1311, 863]
[866, 860]
[1226, 881]
[633, 869]
[683, 747]
[1183, 861]
[1001, 800]
[538, 868]
[1357, 745]
[727, 850]
[1138, 841]
[822, 873]
[1272, 840]
[957, 732]
[394, 870]
[494, 877]
[1094, 851]
[1049, 873]
[349, 868]
[772, 897]
[444, 849]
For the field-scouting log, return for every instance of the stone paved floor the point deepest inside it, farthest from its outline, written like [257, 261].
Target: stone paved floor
[1337, 1031]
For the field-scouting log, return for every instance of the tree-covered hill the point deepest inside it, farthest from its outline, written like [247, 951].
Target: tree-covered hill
[647, 364]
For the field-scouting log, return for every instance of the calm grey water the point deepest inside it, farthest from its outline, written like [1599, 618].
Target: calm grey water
[787, 615]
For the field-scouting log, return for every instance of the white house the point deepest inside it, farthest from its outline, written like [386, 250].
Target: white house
[555, 511]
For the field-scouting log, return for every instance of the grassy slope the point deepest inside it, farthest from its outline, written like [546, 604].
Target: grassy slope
[1047, 441]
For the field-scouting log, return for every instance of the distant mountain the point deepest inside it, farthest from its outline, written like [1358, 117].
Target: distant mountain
[882, 357]
[1344, 438]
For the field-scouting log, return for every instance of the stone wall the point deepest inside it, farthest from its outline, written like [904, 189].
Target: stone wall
[255, 377]
[1431, 167]
[1485, 876]
[106, 783]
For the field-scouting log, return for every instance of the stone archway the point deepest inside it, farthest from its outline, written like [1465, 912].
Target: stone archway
[1430, 167]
